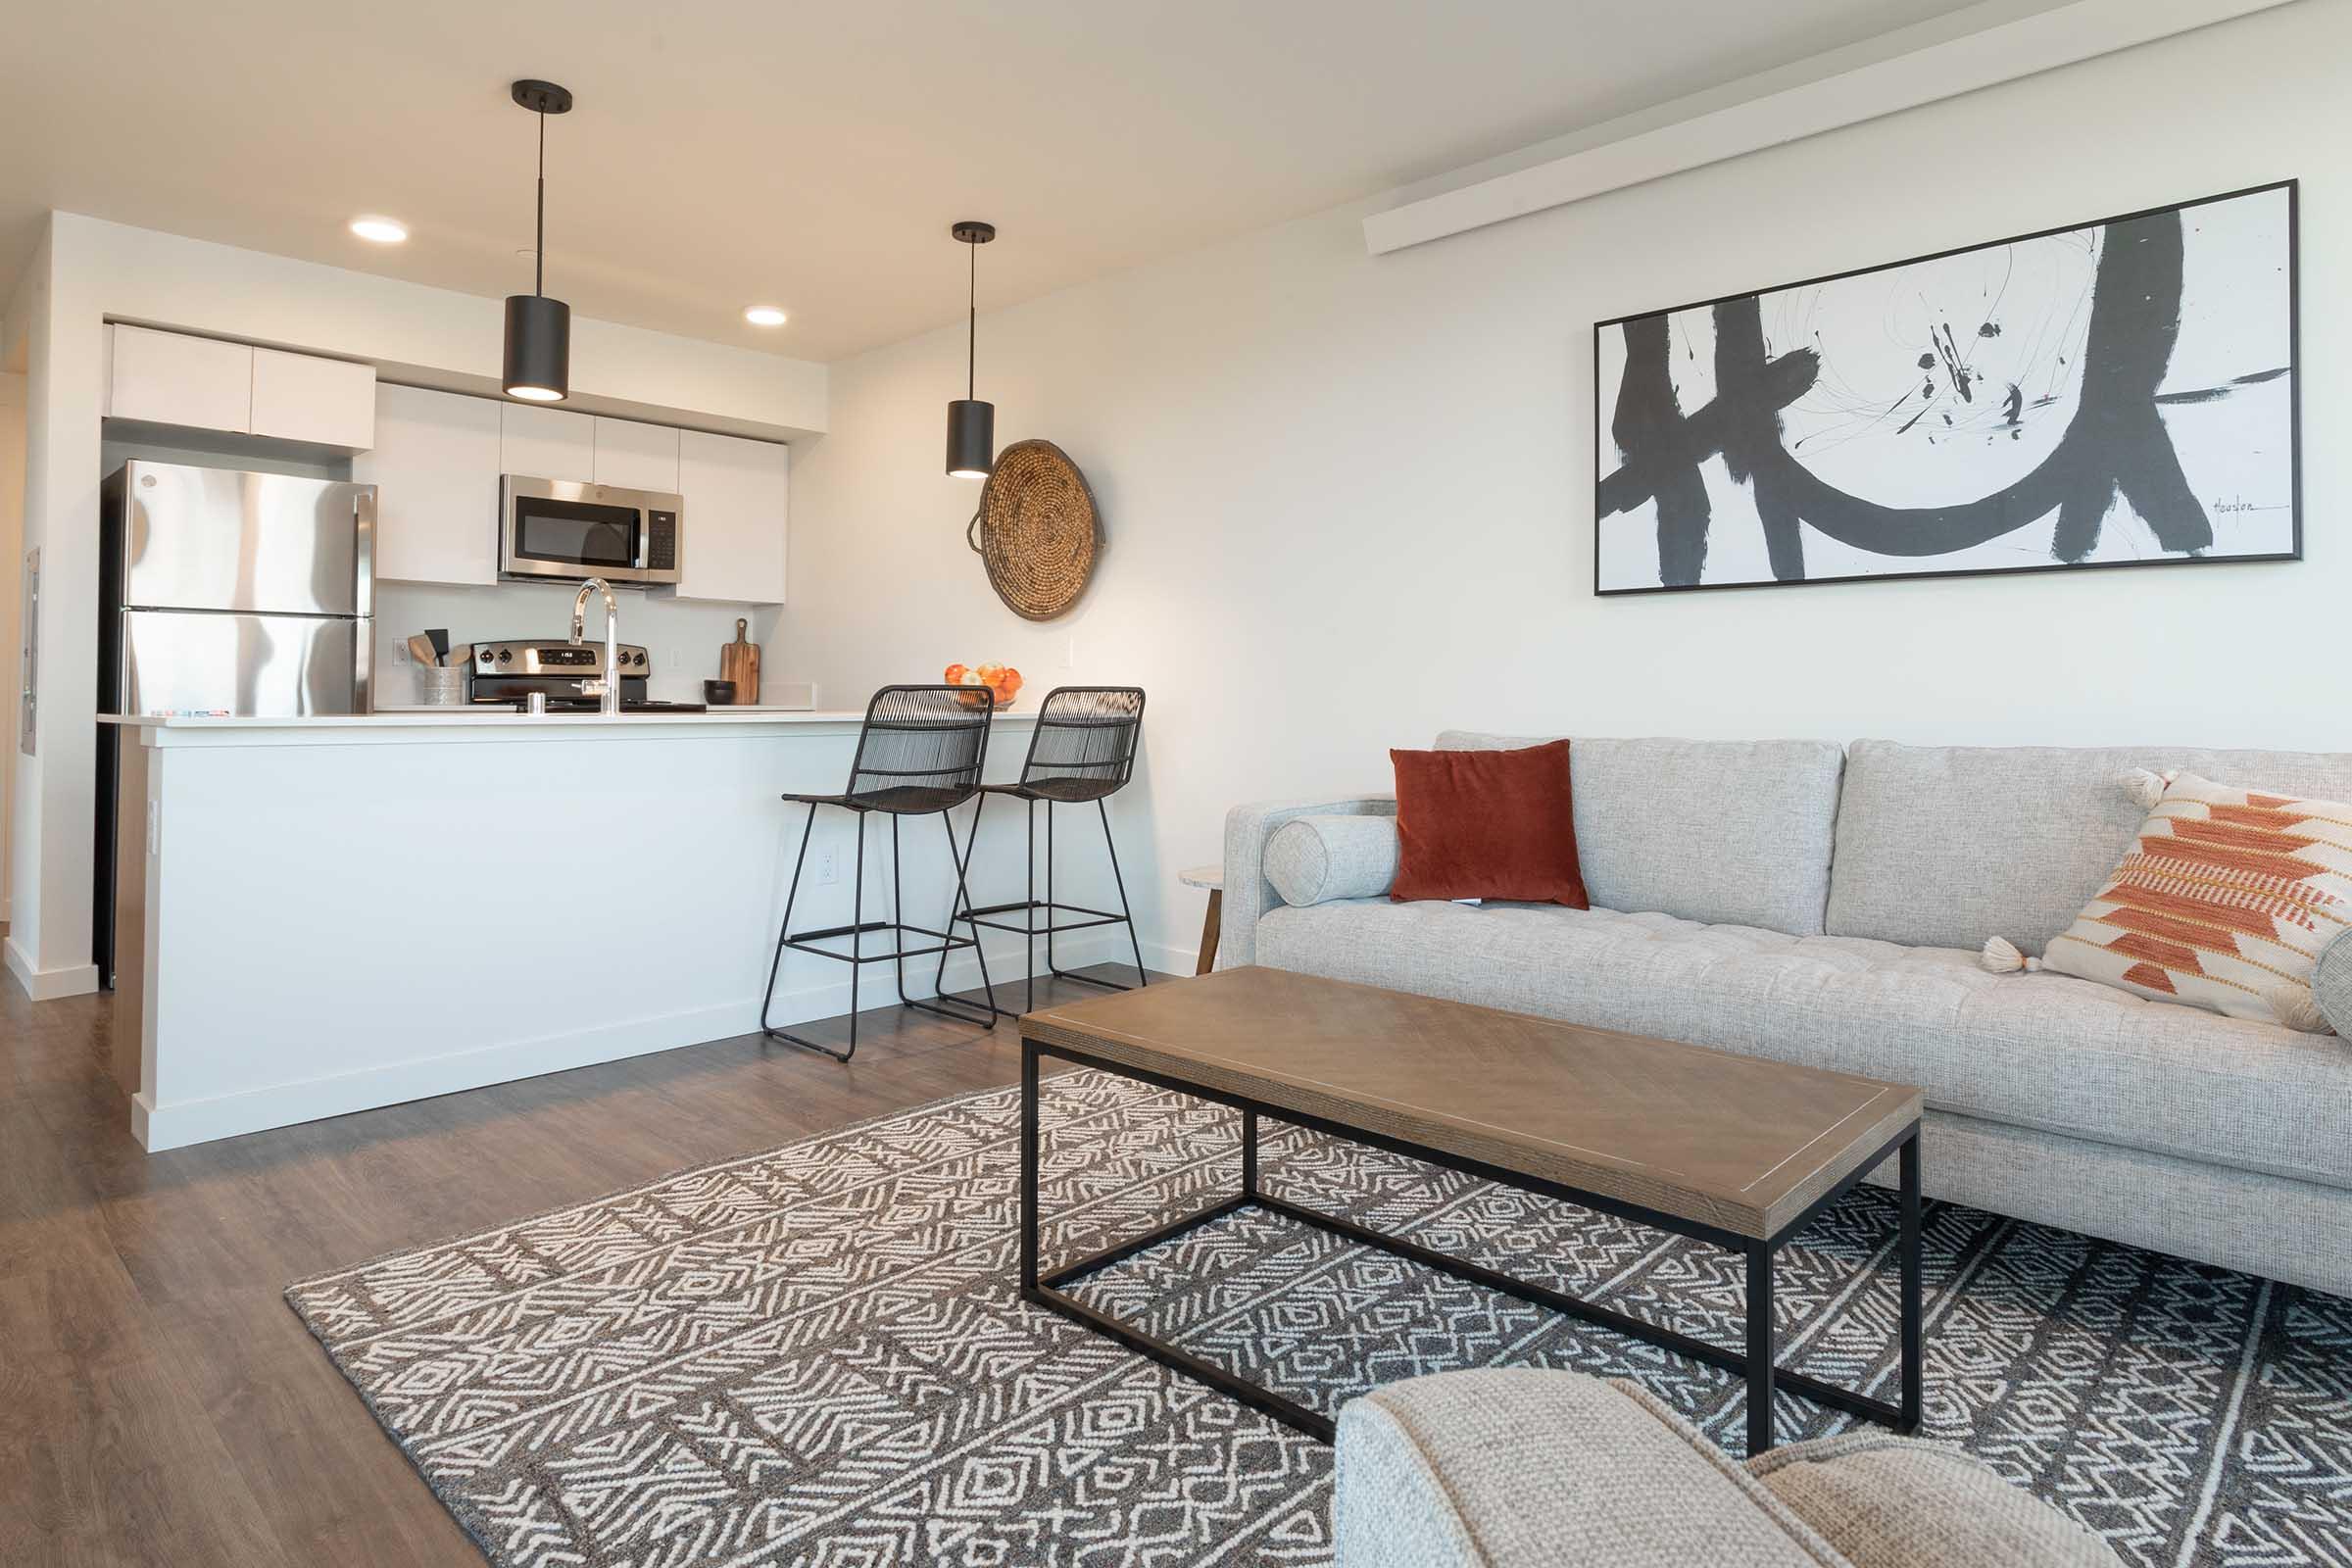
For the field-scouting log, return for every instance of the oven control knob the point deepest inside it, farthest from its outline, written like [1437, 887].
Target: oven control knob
[505, 655]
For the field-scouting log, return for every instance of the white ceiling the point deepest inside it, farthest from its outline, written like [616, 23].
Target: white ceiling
[728, 152]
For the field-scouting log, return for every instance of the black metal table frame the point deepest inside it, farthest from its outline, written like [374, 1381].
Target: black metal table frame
[1756, 1365]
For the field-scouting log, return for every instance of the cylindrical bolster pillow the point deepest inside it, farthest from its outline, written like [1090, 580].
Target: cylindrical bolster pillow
[2332, 985]
[1313, 860]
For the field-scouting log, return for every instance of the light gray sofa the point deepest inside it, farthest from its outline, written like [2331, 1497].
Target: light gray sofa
[1824, 904]
[1519, 1468]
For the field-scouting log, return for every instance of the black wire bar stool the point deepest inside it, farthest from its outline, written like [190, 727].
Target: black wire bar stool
[1083, 749]
[919, 754]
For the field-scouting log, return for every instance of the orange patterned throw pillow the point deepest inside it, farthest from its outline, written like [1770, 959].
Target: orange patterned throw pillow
[2224, 901]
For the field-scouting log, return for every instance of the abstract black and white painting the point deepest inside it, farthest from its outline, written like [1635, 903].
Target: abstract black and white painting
[2119, 393]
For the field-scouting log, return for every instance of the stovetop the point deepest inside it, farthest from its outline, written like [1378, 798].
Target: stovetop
[589, 705]
[628, 704]
[505, 674]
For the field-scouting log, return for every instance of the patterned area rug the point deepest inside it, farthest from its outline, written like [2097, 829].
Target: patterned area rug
[814, 1356]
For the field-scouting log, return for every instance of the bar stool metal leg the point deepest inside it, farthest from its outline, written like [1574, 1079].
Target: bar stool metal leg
[964, 894]
[962, 911]
[855, 934]
[1135, 944]
[1142, 976]
[940, 1005]
[776, 966]
[1029, 915]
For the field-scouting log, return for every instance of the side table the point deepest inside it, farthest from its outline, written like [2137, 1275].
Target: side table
[1211, 877]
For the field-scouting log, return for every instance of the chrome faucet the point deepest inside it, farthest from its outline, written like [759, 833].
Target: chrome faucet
[609, 688]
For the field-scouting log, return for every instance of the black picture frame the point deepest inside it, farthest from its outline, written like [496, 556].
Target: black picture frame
[2291, 186]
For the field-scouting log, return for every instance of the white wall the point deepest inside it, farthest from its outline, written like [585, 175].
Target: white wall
[85, 272]
[1350, 498]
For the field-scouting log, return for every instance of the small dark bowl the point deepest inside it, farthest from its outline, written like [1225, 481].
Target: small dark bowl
[717, 693]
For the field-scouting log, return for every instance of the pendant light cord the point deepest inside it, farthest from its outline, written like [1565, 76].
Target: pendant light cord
[539, 248]
[971, 341]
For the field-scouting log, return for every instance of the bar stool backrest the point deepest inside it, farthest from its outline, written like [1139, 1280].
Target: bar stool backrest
[920, 750]
[1084, 740]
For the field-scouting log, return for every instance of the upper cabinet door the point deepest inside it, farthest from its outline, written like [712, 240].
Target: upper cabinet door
[736, 494]
[435, 465]
[542, 443]
[636, 456]
[172, 378]
[300, 397]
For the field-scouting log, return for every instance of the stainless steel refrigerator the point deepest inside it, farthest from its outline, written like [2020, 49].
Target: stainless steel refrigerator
[225, 593]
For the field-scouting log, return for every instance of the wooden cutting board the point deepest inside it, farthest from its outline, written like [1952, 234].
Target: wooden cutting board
[739, 661]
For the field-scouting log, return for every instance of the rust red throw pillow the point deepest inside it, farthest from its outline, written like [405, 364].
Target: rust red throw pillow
[1487, 825]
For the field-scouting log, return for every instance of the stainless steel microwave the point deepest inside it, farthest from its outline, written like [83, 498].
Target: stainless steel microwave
[566, 528]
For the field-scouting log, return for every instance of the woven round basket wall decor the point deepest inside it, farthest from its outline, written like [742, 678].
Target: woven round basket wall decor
[1037, 530]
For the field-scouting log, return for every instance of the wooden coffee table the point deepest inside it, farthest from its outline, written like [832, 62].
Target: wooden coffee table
[1735, 1151]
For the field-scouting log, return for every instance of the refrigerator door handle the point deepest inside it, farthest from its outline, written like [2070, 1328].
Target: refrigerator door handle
[363, 522]
[362, 665]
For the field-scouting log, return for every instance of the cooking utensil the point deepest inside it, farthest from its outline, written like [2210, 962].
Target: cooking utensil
[438, 636]
[739, 663]
[421, 651]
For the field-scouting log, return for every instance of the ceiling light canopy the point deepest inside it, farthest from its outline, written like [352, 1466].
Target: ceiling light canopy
[971, 423]
[382, 231]
[763, 315]
[538, 355]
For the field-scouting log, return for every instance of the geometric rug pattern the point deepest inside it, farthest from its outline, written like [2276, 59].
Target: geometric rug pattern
[814, 1356]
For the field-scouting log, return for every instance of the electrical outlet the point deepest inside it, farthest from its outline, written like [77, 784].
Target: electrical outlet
[827, 869]
[1070, 653]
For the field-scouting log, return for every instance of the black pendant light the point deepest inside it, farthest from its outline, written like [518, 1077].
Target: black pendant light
[538, 363]
[971, 423]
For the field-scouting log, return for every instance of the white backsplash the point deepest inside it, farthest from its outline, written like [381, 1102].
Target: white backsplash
[682, 637]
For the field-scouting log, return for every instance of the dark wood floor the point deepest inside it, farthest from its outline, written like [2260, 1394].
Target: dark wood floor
[160, 1404]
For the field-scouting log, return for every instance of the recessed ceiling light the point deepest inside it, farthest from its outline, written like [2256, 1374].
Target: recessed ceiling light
[764, 316]
[382, 231]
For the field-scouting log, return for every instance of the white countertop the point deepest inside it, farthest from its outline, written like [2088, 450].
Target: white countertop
[487, 724]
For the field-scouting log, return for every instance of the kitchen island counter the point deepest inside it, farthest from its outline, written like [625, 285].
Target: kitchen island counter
[502, 724]
[319, 915]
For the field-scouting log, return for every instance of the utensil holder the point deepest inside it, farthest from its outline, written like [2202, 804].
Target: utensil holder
[441, 686]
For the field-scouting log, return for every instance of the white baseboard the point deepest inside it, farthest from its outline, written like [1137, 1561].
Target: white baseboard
[195, 1121]
[47, 985]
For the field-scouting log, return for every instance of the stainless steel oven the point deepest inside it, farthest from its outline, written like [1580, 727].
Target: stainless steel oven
[564, 529]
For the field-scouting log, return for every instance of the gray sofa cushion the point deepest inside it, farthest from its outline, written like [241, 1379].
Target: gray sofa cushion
[2039, 1050]
[1512, 1467]
[1945, 846]
[1736, 832]
[1885, 1501]
[1311, 860]
[2332, 985]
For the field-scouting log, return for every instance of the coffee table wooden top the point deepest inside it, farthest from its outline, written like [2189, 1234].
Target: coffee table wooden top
[1738, 1143]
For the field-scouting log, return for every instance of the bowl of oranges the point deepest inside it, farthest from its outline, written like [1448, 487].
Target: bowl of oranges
[991, 685]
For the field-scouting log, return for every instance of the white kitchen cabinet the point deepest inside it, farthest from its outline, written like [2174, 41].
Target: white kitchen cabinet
[544, 443]
[201, 384]
[636, 456]
[736, 493]
[301, 397]
[172, 378]
[435, 464]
